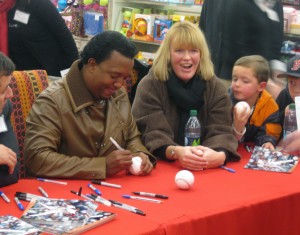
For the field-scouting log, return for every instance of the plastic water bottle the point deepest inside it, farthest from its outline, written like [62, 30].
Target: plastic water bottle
[290, 120]
[192, 130]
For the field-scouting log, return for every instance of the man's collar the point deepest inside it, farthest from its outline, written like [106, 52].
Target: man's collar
[76, 89]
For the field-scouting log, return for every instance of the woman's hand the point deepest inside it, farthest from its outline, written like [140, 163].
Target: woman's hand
[214, 159]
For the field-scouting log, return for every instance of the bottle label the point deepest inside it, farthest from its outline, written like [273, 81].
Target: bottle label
[191, 141]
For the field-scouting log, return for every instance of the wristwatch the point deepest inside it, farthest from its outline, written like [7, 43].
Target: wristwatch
[172, 155]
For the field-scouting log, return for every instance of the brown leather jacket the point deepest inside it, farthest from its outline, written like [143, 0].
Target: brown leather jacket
[66, 136]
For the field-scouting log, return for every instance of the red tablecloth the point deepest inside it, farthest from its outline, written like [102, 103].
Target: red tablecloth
[247, 202]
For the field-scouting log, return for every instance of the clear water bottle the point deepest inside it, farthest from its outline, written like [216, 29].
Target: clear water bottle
[290, 121]
[192, 130]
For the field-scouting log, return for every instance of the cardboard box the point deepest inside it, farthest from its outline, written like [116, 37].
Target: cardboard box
[161, 27]
[143, 27]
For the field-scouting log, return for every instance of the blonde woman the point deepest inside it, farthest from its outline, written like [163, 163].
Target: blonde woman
[181, 79]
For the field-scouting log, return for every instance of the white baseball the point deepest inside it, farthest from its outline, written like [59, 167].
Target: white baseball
[243, 107]
[184, 179]
[135, 167]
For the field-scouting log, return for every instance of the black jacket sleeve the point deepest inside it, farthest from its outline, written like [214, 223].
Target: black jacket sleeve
[8, 139]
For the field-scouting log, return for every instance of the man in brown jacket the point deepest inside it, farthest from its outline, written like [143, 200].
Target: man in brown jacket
[70, 124]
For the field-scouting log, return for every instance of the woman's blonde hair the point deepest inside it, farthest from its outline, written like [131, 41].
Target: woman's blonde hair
[182, 34]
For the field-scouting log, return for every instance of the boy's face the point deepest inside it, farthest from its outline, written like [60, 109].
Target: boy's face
[245, 85]
[294, 86]
[5, 90]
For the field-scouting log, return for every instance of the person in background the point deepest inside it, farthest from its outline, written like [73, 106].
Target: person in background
[249, 78]
[287, 95]
[236, 28]
[35, 36]
[9, 166]
[69, 127]
[181, 79]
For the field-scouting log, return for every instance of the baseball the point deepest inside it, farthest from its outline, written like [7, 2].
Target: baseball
[184, 179]
[243, 107]
[135, 167]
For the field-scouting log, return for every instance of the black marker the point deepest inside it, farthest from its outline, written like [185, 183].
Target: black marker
[151, 195]
[127, 207]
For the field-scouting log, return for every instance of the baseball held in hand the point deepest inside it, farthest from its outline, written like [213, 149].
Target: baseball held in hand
[135, 167]
[243, 107]
[184, 179]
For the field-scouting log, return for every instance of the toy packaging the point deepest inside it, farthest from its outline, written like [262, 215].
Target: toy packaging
[161, 27]
[124, 23]
[143, 27]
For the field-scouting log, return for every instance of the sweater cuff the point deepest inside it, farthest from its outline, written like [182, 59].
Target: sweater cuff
[161, 153]
[227, 154]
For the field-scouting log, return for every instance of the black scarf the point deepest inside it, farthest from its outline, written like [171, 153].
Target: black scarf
[187, 96]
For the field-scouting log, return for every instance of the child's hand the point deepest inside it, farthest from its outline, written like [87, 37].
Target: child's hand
[240, 118]
[268, 145]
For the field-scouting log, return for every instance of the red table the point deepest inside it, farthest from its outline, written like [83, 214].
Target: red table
[247, 202]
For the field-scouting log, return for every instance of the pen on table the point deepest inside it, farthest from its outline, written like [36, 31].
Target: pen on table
[248, 148]
[43, 192]
[52, 181]
[103, 183]
[19, 204]
[5, 198]
[115, 143]
[142, 198]
[228, 169]
[127, 207]
[27, 196]
[72, 191]
[97, 198]
[97, 191]
[151, 195]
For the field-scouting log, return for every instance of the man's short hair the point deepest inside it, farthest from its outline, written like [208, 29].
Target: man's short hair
[6, 65]
[102, 45]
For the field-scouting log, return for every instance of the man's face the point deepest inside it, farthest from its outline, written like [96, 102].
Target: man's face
[294, 86]
[104, 79]
[5, 90]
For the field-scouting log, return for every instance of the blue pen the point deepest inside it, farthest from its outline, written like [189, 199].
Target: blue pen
[228, 169]
[97, 191]
[5, 198]
[21, 207]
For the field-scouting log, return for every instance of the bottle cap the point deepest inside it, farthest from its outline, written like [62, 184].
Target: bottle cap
[292, 106]
[193, 112]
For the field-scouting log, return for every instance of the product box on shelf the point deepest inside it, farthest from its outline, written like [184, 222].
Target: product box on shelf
[198, 2]
[93, 23]
[125, 21]
[161, 27]
[289, 15]
[143, 27]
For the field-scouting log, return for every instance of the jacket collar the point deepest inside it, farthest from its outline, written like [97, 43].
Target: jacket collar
[79, 95]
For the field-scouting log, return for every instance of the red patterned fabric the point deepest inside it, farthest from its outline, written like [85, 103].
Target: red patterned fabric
[26, 86]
